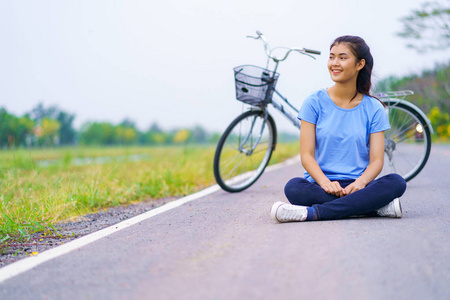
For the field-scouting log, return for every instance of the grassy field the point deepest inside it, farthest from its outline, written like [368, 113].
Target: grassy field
[42, 187]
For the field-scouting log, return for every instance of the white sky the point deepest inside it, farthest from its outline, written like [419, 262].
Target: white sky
[171, 61]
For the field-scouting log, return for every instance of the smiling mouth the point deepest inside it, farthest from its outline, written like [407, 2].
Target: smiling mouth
[335, 71]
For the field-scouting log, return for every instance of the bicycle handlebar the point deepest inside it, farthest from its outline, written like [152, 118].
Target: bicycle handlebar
[269, 51]
[312, 51]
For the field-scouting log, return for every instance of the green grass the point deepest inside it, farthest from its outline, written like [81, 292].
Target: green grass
[34, 197]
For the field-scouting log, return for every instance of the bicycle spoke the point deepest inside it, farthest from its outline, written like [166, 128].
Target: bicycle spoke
[408, 148]
[234, 168]
[403, 132]
[230, 161]
[245, 151]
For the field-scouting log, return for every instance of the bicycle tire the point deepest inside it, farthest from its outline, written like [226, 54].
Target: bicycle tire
[408, 142]
[236, 167]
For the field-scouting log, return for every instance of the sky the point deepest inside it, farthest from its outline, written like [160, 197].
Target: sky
[171, 62]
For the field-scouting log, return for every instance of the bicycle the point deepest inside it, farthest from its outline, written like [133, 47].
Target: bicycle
[245, 148]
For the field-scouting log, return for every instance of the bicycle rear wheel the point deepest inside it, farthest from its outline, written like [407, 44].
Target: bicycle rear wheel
[408, 142]
[244, 150]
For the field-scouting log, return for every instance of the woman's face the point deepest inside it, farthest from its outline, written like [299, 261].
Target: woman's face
[343, 65]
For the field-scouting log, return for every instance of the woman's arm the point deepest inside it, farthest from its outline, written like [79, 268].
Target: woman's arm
[376, 160]
[307, 154]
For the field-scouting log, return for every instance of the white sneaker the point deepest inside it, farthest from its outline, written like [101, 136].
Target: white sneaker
[284, 212]
[393, 209]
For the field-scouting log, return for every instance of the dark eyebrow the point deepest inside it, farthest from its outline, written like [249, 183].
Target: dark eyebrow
[343, 53]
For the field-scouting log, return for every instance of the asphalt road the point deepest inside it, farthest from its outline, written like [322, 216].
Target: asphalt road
[224, 246]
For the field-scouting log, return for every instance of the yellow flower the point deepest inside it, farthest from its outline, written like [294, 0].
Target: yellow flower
[34, 253]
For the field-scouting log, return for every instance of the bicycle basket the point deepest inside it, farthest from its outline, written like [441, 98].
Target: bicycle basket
[254, 85]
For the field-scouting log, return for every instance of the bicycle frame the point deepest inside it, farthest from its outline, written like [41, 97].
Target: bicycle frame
[277, 105]
[241, 146]
[271, 57]
[293, 118]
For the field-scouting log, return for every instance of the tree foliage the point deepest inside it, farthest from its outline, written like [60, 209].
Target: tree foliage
[427, 28]
[431, 95]
[440, 121]
[47, 132]
[126, 133]
[14, 131]
[182, 136]
[431, 88]
[66, 134]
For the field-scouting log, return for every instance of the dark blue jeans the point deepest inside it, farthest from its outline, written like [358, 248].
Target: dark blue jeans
[375, 195]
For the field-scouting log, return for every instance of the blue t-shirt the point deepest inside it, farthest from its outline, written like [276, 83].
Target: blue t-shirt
[342, 135]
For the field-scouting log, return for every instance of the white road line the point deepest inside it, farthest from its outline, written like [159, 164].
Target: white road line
[28, 263]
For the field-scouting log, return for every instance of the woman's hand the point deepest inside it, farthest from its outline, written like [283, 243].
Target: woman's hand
[353, 187]
[333, 188]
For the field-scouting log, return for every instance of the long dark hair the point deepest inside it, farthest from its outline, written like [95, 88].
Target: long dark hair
[361, 50]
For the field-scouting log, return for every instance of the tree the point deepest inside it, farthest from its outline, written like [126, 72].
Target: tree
[14, 130]
[47, 132]
[428, 28]
[24, 131]
[155, 128]
[431, 87]
[127, 133]
[440, 121]
[154, 136]
[98, 133]
[181, 136]
[160, 138]
[40, 112]
[128, 124]
[199, 135]
[66, 132]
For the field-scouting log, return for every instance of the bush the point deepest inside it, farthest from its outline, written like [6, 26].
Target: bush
[440, 122]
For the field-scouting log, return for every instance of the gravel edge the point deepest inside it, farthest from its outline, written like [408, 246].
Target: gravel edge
[70, 230]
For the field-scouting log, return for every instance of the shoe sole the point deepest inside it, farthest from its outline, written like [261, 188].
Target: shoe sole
[398, 209]
[274, 210]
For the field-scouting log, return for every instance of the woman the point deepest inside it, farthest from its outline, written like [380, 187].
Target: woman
[342, 146]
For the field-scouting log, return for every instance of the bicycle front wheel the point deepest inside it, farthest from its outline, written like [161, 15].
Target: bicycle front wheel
[244, 150]
[408, 142]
